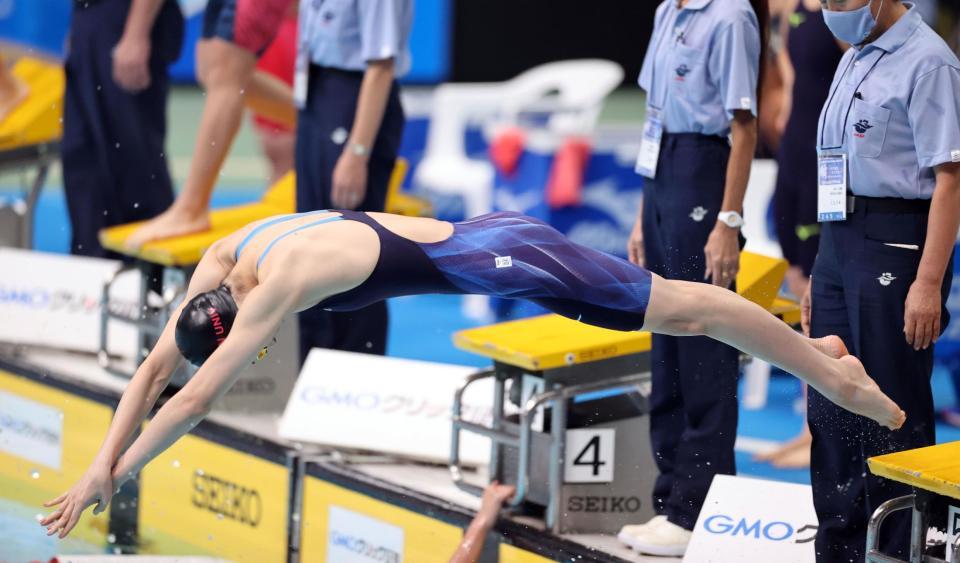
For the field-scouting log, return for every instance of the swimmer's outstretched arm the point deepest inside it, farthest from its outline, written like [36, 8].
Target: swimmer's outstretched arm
[256, 323]
[140, 395]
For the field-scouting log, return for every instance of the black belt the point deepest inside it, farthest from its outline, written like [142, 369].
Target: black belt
[318, 69]
[863, 204]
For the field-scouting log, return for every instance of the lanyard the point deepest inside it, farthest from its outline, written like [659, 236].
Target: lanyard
[856, 93]
[313, 12]
[656, 50]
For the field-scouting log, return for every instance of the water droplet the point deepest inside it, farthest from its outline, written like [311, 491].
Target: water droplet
[38, 517]
[35, 474]
[136, 204]
[210, 537]
[219, 516]
[111, 538]
[176, 463]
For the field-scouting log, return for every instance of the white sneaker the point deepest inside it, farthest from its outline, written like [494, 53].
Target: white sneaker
[664, 538]
[632, 529]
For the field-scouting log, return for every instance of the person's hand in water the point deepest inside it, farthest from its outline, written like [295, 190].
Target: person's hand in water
[493, 498]
[95, 487]
[472, 545]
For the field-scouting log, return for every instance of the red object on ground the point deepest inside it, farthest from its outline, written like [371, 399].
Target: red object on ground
[279, 60]
[506, 148]
[566, 177]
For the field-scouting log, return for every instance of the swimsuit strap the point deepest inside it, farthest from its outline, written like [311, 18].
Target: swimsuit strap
[291, 231]
[253, 232]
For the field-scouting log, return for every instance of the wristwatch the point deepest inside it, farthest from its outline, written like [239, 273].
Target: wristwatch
[731, 219]
[358, 149]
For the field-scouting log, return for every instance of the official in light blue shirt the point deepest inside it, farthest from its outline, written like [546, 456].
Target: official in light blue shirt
[894, 107]
[882, 274]
[700, 73]
[702, 64]
[350, 53]
[345, 34]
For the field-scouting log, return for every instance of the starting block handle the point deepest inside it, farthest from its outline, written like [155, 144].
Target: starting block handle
[527, 414]
[103, 354]
[874, 554]
[458, 425]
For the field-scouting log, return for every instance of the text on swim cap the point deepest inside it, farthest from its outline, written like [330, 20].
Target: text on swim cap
[217, 324]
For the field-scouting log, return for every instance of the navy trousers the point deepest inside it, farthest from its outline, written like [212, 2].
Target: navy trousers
[113, 153]
[693, 418]
[859, 288]
[322, 127]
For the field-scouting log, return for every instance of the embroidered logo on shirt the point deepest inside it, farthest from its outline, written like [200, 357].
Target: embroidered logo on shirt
[503, 261]
[885, 278]
[955, 155]
[698, 213]
[682, 71]
[861, 128]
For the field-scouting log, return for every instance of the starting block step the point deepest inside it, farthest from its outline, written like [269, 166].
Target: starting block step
[935, 468]
[37, 119]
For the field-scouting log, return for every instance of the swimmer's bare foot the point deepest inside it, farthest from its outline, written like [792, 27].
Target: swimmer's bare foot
[832, 346]
[797, 458]
[13, 92]
[856, 392]
[170, 223]
[788, 449]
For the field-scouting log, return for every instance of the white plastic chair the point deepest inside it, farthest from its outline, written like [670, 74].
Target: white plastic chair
[571, 92]
[763, 180]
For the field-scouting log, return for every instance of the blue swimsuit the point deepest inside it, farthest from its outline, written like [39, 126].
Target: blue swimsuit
[502, 255]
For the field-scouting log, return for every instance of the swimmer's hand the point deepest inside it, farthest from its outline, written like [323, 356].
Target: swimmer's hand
[95, 487]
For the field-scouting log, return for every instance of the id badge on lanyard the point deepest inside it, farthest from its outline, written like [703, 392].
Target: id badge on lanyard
[650, 145]
[831, 187]
[301, 76]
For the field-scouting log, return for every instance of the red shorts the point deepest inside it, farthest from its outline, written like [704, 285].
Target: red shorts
[251, 24]
[279, 60]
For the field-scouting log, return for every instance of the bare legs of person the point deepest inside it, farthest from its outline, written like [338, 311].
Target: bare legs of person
[686, 309]
[226, 72]
[279, 148]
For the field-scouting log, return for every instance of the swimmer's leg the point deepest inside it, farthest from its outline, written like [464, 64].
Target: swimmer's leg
[686, 309]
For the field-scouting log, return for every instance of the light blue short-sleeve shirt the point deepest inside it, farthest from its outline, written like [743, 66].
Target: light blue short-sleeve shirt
[345, 34]
[702, 63]
[894, 110]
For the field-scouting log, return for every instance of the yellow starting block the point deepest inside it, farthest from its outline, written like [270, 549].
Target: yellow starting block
[184, 252]
[568, 359]
[934, 473]
[39, 118]
[30, 138]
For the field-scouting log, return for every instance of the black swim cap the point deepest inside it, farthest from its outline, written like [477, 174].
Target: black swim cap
[205, 323]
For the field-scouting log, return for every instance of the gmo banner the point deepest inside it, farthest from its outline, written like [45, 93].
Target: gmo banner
[384, 404]
[341, 525]
[53, 300]
[31, 430]
[754, 520]
[355, 538]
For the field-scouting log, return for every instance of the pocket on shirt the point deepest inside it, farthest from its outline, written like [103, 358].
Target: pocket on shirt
[687, 66]
[867, 128]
